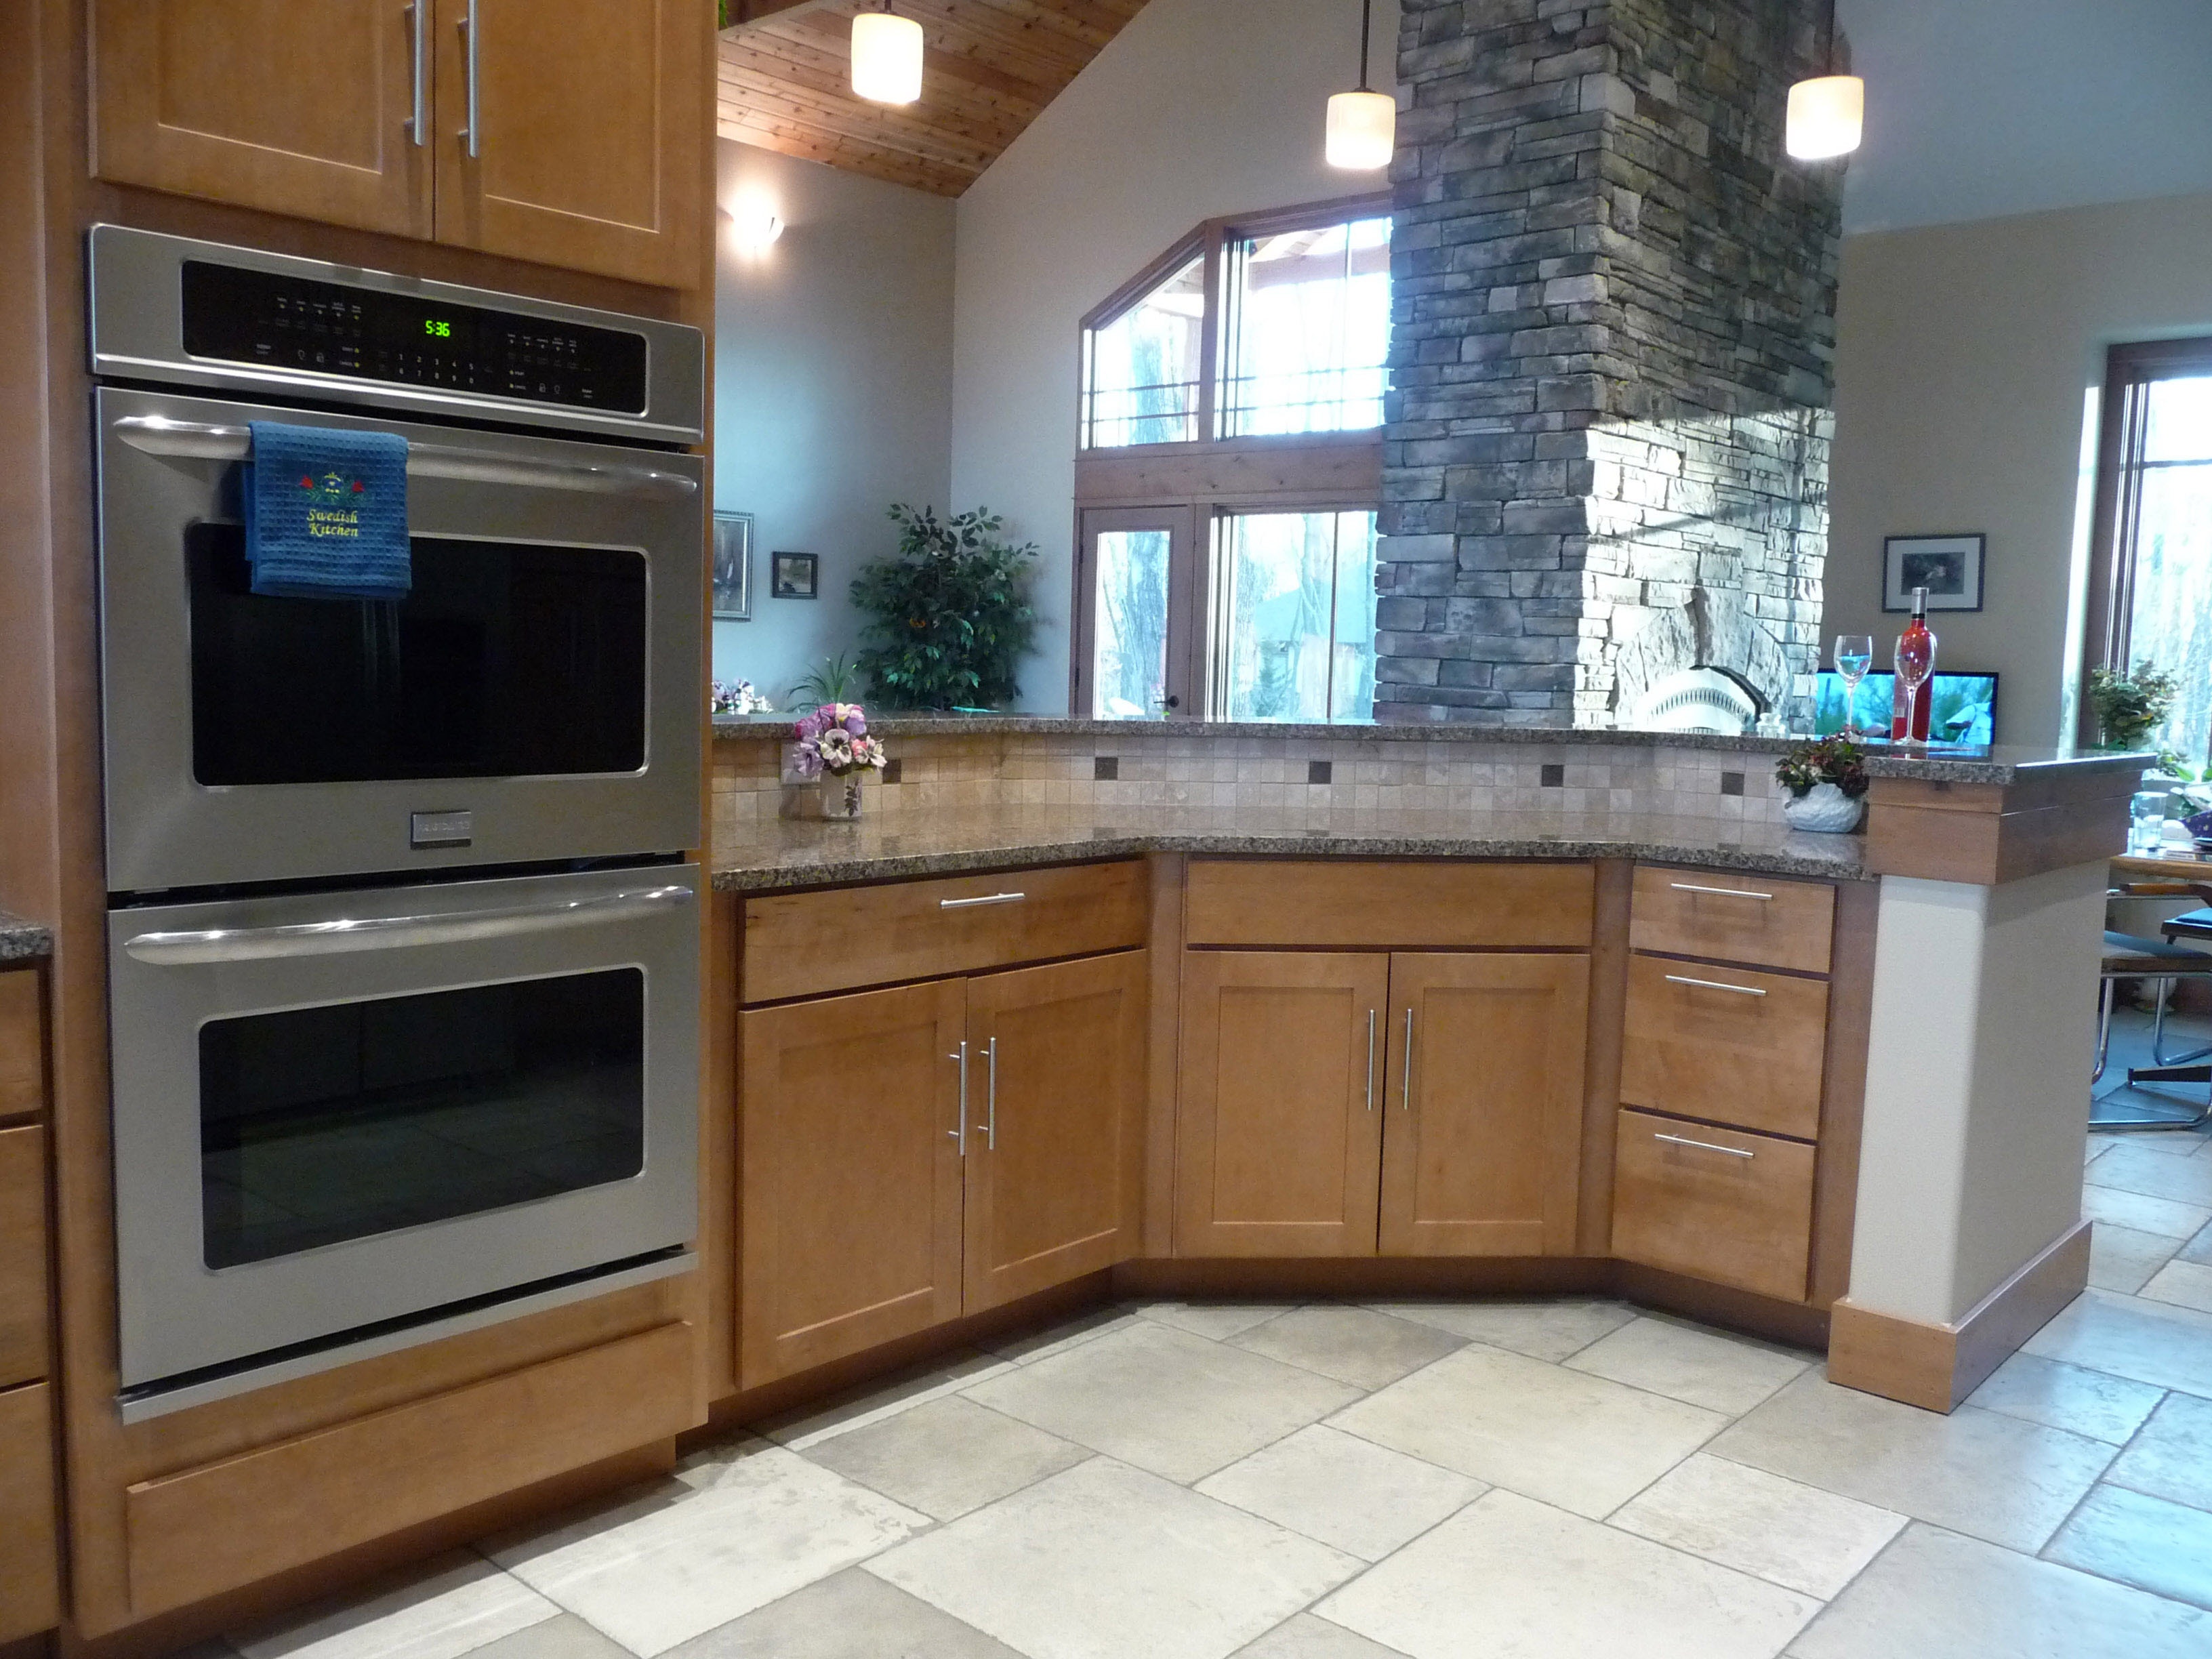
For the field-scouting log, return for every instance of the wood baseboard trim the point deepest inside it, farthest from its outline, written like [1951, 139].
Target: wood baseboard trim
[1936, 1366]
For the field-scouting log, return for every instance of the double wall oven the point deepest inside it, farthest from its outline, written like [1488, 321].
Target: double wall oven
[403, 941]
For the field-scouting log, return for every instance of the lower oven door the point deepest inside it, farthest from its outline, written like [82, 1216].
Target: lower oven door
[340, 1114]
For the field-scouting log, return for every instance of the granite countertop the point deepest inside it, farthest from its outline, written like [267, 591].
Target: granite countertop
[794, 853]
[21, 941]
[2002, 765]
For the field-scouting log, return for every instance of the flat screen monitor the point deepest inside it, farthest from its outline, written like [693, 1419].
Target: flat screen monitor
[1963, 708]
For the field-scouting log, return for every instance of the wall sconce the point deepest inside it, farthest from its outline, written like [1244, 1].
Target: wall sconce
[754, 226]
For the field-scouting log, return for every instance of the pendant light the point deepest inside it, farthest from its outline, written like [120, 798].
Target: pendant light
[1827, 113]
[1363, 126]
[886, 57]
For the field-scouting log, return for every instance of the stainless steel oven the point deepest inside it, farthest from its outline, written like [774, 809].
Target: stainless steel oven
[537, 695]
[357, 1120]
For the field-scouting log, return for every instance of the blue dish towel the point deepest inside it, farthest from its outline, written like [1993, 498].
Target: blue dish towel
[326, 513]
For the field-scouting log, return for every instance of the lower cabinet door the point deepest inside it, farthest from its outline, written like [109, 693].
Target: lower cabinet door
[1055, 1111]
[1716, 1204]
[1279, 1134]
[850, 1175]
[1482, 1118]
[30, 1597]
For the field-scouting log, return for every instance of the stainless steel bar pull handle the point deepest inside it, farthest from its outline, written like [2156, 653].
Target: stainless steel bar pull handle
[1370, 1060]
[197, 946]
[1720, 892]
[418, 122]
[469, 73]
[991, 1095]
[1405, 1076]
[987, 898]
[202, 441]
[1704, 1145]
[960, 1134]
[1715, 985]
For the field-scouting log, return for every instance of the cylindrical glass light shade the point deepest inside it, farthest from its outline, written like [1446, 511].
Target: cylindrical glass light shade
[1826, 115]
[886, 57]
[1362, 131]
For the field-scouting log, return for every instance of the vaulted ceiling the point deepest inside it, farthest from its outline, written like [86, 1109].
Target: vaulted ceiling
[990, 67]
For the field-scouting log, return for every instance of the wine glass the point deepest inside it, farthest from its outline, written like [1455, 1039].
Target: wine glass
[1853, 656]
[1915, 660]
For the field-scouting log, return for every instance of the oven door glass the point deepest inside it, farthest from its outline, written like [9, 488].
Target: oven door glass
[320, 1124]
[507, 659]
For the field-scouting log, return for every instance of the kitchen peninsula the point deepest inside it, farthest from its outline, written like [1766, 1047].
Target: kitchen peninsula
[1420, 1011]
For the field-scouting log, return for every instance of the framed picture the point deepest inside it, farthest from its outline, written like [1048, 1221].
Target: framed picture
[796, 574]
[733, 567]
[1949, 567]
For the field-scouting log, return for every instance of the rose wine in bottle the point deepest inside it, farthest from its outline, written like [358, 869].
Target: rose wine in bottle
[1910, 709]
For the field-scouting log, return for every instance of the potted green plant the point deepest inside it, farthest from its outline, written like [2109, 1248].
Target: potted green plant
[2130, 706]
[949, 616]
[1826, 780]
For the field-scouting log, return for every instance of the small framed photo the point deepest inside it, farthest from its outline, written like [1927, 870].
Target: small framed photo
[1949, 567]
[733, 567]
[796, 575]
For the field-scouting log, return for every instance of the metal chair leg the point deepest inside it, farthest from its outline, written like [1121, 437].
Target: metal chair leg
[2104, 1030]
[2157, 1055]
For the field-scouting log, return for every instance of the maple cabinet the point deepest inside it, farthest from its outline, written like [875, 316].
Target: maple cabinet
[573, 139]
[1348, 1103]
[910, 1155]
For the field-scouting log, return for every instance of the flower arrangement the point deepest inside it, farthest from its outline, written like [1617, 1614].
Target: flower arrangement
[737, 697]
[1836, 760]
[2130, 706]
[834, 740]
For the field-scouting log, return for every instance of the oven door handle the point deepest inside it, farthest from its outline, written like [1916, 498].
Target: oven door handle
[201, 946]
[202, 441]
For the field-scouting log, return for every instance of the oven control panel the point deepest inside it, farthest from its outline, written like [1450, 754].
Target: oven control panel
[296, 323]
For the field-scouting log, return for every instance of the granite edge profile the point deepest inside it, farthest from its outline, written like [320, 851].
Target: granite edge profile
[23, 941]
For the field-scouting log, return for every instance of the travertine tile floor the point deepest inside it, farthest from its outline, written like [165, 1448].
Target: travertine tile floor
[1562, 1480]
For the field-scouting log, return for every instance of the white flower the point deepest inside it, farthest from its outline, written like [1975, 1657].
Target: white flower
[836, 750]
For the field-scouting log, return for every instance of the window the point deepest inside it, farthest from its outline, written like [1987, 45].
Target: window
[2151, 595]
[1229, 471]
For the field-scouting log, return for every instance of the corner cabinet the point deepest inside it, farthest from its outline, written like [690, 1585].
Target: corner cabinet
[477, 122]
[1413, 1101]
[915, 1153]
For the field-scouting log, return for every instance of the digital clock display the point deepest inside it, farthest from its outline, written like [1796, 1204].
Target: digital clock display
[437, 328]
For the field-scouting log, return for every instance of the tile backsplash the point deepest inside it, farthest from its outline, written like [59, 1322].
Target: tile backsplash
[1276, 778]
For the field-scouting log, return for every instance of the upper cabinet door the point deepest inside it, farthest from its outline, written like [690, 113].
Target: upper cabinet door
[305, 110]
[572, 135]
[1482, 1141]
[1053, 1129]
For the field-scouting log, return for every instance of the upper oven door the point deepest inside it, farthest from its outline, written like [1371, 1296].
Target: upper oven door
[537, 696]
[337, 1110]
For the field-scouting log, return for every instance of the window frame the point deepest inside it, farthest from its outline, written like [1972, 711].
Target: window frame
[2122, 431]
[1207, 477]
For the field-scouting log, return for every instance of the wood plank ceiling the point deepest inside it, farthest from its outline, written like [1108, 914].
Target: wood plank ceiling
[989, 68]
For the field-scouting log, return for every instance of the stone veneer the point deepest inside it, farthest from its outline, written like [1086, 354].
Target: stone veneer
[1269, 777]
[1606, 449]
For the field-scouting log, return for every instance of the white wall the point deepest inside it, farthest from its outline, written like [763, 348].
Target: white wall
[1198, 108]
[833, 389]
[1977, 109]
[1968, 358]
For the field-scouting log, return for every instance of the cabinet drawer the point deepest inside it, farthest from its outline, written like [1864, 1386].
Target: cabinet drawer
[1714, 1204]
[1755, 919]
[23, 1255]
[30, 1580]
[1725, 1043]
[1319, 903]
[22, 1062]
[803, 945]
[212, 1528]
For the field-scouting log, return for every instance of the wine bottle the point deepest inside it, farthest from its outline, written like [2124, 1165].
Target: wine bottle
[1913, 722]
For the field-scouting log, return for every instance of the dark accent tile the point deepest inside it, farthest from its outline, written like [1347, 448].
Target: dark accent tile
[1555, 777]
[1320, 771]
[1731, 783]
[1104, 768]
[893, 770]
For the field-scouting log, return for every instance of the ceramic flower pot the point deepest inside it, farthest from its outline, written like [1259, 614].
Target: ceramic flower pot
[840, 796]
[1824, 809]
